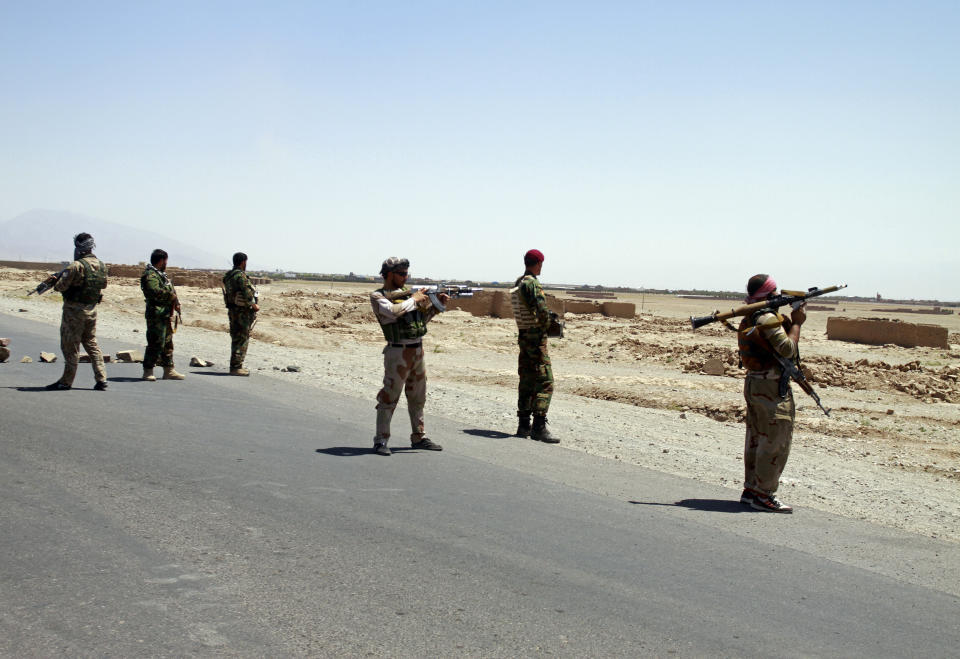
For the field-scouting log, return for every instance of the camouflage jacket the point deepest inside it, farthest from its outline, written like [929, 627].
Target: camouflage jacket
[237, 289]
[74, 281]
[758, 337]
[531, 293]
[158, 293]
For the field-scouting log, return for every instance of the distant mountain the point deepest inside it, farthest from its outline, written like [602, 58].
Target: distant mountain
[47, 235]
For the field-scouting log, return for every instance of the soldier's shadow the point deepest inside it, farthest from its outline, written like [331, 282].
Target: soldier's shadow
[489, 434]
[217, 373]
[706, 505]
[121, 379]
[353, 451]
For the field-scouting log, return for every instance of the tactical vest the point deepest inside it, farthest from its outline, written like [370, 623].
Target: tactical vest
[410, 325]
[156, 307]
[522, 313]
[756, 353]
[233, 287]
[94, 281]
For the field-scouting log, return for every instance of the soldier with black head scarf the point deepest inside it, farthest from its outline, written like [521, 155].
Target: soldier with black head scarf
[81, 284]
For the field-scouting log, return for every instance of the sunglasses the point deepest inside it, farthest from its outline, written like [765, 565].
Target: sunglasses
[402, 274]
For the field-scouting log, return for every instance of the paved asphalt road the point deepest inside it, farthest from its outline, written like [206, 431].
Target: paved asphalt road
[247, 517]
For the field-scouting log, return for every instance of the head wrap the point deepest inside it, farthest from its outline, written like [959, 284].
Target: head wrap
[83, 247]
[534, 255]
[768, 287]
[393, 263]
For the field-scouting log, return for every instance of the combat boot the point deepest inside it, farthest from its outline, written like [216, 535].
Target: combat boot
[170, 374]
[239, 371]
[523, 428]
[540, 432]
[148, 375]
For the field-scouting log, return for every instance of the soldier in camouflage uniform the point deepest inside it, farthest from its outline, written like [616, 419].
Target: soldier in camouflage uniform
[241, 300]
[536, 375]
[81, 284]
[403, 315]
[162, 303]
[769, 416]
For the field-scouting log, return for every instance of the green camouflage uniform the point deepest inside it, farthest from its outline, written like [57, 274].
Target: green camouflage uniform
[159, 295]
[81, 285]
[534, 369]
[769, 417]
[239, 296]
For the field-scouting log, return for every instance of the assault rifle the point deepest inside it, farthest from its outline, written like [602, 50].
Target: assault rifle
[793, 298]
[48, 283]
[791, 371]
[433, 292]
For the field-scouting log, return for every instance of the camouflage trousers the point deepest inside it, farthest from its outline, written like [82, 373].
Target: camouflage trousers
[769, 434]
[404, 369]
[241, 320]
[79, 325]
[159, 342]
[536, 373]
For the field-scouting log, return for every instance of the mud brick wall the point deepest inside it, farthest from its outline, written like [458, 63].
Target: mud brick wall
[481, 304]
[581, 306]
[619, 309]
[117, 270]
[876, 331]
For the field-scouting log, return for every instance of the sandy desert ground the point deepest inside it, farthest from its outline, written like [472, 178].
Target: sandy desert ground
[629, 390]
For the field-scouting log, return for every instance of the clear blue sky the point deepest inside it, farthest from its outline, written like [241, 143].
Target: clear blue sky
[663, 144]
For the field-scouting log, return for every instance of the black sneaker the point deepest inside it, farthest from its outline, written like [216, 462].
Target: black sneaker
[426, 444]
[100, 386]
[381, 449]
[769, 504]
[748, 497]
[58, 386]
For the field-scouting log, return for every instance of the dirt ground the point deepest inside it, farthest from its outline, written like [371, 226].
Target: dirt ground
[632, 390]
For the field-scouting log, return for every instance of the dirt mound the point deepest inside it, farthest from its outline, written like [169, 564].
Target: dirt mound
[320, 308]
[637, 399]
[207, 324]
[928, 385]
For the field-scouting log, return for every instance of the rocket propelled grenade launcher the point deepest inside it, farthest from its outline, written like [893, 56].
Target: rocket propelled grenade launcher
[793, 298]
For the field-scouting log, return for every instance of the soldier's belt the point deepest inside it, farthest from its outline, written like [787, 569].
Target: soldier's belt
[406, 345]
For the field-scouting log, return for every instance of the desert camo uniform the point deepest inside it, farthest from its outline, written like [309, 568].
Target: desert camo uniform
[239, 296]
[159, 295]
[404, 324]
[81, 286]
[536, 374]
[769, 417]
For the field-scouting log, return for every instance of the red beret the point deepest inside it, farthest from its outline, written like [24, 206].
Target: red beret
[533, 255]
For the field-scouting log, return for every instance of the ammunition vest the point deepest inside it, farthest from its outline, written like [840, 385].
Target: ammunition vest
[156, 307]
[411, 325]
[522, 312]
[233, 293]
[756, 353]
[94, 281]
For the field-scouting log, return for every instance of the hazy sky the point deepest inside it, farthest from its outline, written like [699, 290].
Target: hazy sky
[659, 144]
